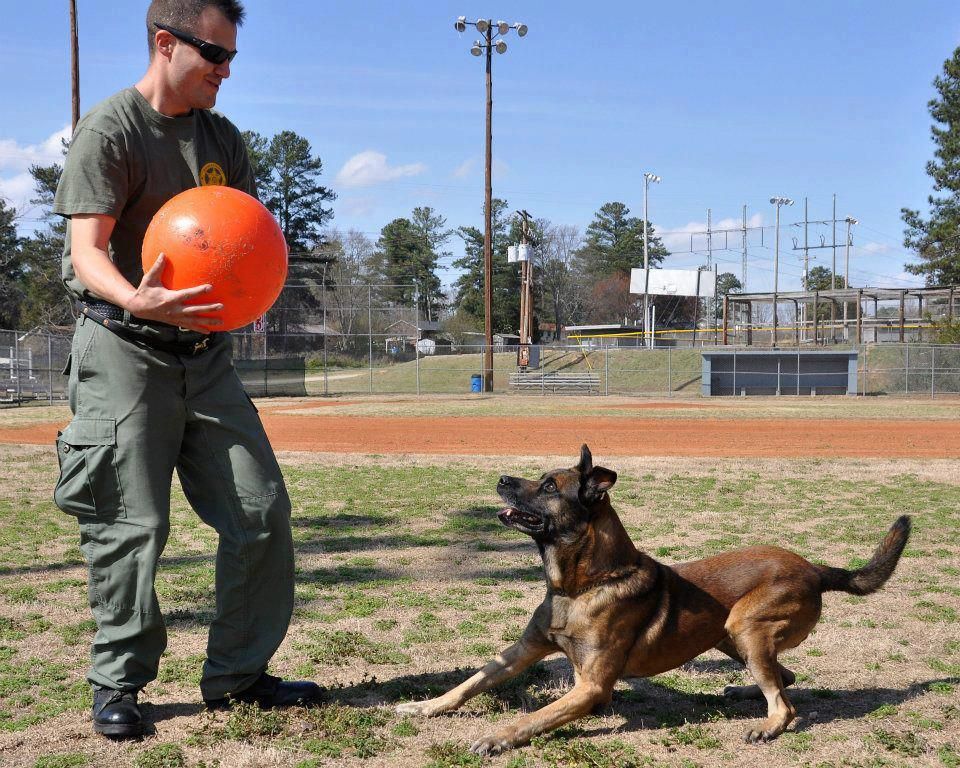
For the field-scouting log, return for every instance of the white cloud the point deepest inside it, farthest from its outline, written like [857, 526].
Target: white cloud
[678, 238]
[872, 248]
[17, 191]
[18, 157]
[370, 168]
[463, 170]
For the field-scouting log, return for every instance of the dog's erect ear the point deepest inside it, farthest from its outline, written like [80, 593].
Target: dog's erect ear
[585, 467]
[598, 482]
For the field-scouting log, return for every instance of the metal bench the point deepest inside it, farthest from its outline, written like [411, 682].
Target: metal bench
[555, 382]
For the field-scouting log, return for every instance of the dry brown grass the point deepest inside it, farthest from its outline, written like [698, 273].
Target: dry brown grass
[400, 551]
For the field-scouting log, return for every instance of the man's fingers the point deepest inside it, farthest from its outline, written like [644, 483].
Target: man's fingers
[152, 275]
[185, 294]
[202, 310]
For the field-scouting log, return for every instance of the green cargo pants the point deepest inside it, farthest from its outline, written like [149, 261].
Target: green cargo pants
[140, 414]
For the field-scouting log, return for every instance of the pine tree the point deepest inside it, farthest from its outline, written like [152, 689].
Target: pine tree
[937, 239]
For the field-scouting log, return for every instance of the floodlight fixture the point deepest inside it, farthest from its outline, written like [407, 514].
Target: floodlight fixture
[482, 26]
[778, 201]
[503, 27]
[521, 29]
[476, 49]
[501, 46]
[851, 220]
[460, 24]
[652, 177]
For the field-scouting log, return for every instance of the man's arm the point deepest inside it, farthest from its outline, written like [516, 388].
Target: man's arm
[89, 238]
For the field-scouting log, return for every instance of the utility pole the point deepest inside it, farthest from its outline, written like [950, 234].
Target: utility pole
[833, 273]
[709, 240]
[846, 267]
[777, 201]
[486, 28]
[647, 178]
[743, 230]
[74, 65]
[526, 281]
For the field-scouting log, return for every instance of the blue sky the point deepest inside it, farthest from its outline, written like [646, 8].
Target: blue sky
[731, 103]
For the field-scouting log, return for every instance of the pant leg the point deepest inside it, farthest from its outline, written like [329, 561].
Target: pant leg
[117, 457]
[231, 478]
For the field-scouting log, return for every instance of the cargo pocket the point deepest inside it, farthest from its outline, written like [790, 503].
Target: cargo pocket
[89, 484]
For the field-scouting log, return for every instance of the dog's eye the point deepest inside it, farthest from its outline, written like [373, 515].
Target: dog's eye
[549, 486]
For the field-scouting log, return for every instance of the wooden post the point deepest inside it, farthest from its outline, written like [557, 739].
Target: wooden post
[726, 306]
[860, 316]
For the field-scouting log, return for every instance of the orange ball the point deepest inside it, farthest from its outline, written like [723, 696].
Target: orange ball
[224, 237]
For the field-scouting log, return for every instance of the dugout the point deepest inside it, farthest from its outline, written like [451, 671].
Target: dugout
[273, 377]
[779, 372]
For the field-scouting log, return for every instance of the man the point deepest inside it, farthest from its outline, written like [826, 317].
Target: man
[153, 390]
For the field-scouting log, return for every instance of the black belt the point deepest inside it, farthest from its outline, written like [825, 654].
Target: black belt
[111, 317]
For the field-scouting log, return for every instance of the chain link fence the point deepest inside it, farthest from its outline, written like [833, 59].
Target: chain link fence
[394, 358]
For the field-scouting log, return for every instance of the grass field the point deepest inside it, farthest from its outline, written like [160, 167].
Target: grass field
[406, 582]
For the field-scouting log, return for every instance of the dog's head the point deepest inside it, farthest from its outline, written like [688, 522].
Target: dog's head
[560, 503]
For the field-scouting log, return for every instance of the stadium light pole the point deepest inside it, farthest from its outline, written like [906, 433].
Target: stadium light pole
[777, 201]
[647, 178]
[490, 42]
[846, 267]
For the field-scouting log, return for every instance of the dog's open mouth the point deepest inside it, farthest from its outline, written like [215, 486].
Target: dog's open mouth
[516, 518]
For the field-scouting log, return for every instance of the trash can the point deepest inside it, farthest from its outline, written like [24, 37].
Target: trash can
[476, 383]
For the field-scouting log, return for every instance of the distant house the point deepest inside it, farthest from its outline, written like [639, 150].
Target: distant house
[500, 340]
[548, 333]
[403, 335]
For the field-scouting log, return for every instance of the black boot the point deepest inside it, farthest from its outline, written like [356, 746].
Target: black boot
[269, 692]
[116, 713]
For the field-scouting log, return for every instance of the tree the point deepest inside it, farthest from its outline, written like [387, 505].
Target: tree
[727, 282]
[937, 238]
[505, 279]
[11, 268]
[431, 227]
[403, 251]
[554, 274]
[821, 279]
[286, 173]
[614, 243]
[45, 300]
[291, 190]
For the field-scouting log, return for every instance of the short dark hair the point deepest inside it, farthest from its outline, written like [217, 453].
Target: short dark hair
[183, 14]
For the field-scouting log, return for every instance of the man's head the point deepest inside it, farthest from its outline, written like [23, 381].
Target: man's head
[192, 42]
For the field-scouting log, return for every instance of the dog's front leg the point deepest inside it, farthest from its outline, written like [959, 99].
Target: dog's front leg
[509, 663]
[581, 700]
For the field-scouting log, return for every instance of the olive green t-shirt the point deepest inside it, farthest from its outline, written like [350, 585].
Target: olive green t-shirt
[126, 160]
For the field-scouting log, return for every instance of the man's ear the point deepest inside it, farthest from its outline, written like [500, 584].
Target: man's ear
[598, 482]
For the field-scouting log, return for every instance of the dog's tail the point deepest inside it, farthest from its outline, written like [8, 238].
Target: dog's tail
[874, 574]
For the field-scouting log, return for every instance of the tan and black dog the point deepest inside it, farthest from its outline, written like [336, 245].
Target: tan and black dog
[616, 612]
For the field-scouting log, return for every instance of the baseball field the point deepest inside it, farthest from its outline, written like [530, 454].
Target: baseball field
[407, 583]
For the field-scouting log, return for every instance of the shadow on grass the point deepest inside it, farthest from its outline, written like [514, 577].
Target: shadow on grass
[157, 713]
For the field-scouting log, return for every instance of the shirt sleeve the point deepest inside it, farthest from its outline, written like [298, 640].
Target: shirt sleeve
[94, 178]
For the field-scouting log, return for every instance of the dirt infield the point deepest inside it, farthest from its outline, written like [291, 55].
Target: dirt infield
[316, 426]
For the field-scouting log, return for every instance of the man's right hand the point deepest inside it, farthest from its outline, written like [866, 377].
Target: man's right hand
[152, 301]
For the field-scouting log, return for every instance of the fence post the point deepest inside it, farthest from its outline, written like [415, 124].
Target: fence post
[606, 370]
[906, 375]
[16, 356]
[933, 369]
[669, 371]
[49, 369]
[416, 347]
[370, 335]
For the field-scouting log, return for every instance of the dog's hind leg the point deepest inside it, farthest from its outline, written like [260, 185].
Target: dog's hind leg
[744, 692]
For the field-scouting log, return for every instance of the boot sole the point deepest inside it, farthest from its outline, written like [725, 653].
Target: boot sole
[119, 730]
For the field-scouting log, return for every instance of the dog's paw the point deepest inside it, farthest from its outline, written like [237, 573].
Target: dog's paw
[757, 736]
[427, 708]
[489, 746]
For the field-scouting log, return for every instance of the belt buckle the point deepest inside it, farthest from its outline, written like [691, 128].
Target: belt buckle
[201, 345]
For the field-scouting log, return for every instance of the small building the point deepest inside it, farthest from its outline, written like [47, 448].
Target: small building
[403, 335]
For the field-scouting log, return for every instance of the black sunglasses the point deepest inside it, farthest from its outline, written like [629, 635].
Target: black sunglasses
[209, 51]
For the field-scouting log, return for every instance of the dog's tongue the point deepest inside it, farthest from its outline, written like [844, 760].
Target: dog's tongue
[507, 511]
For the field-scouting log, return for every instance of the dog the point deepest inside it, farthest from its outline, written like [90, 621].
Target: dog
[615, 612]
